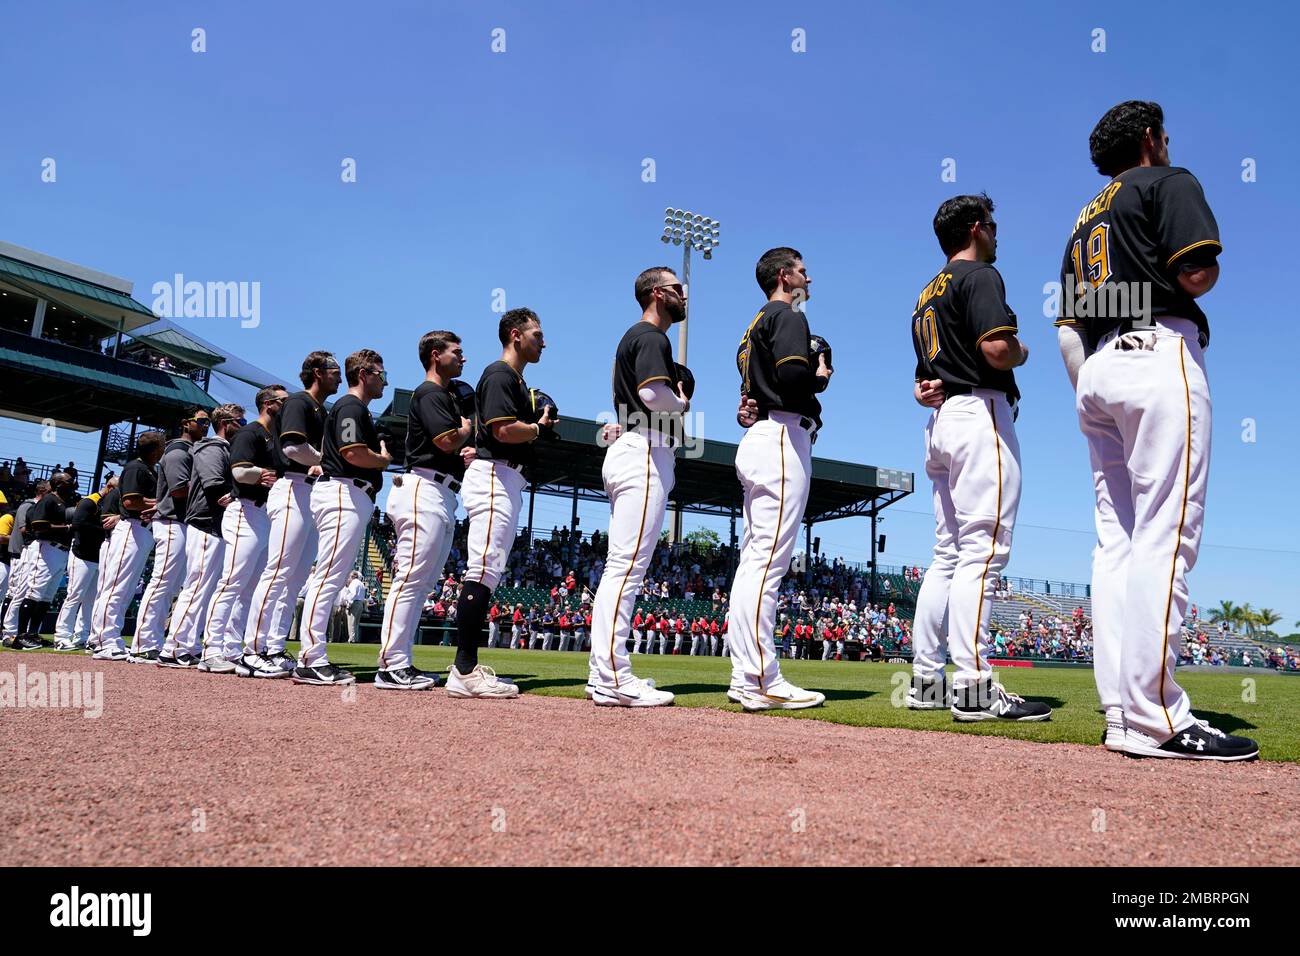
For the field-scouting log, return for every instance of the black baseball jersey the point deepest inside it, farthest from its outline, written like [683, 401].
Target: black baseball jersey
[433, 414]
[50, 511]
[502, 396]
[350, 425]
[300, 422]
[1128, 246]
[955, 313]
[138, 481]
[111, 503]
[779, 335]
[173, 472]
[87, 530]
[251, 446]
[644, 355]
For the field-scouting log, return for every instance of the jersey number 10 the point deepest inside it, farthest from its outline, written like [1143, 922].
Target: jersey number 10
[1098, 252]
[926, 329]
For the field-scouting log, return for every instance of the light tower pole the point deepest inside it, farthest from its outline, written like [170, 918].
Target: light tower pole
[691, 230]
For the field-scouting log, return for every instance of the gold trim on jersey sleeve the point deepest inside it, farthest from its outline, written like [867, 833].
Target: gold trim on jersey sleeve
[503, 418]
[449, 431]
[1194, 245]
[1000, 328]
[284, 435]
[1059, 322]
[792, 358]
[355, 444]
[656, 378]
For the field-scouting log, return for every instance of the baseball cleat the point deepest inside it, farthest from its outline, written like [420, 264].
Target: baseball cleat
[781, 695]
[286, 662]
[1112, 738]
[26, 642]
[112, 654]
[733, 694]
[480, 682]
[255, 665]
[989, 700]
[144, 657]
[631, 693]
[178, 660]
[322, 674]
[216, 665]
[1199, 741]
[404, 678]
[932, 693]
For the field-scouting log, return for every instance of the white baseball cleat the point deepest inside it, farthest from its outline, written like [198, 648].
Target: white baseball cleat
[631, 693]
[1113, 739]
[781, 695]
[112, 654]
[481, 682]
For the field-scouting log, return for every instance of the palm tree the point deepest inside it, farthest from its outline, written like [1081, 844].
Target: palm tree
[1226, 612]
[1266, 617]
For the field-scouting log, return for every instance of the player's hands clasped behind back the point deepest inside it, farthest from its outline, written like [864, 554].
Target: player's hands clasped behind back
[929, 392]
[747, 413]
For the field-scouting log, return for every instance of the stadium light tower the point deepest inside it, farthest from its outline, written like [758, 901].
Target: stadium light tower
[691, 230]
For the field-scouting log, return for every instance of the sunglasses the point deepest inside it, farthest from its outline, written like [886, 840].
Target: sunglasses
[991, 226]
[383, 376]
[676, 287]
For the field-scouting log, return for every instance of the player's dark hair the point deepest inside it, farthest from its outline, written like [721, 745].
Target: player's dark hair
[313, 362]
[361, 358]
[149, 442]
[645, 283]
[189, 416]
[1116, 140]
[431, 342]
[770, 264]
[267, 395]
[514, 319]
[224, 414]
[955, 217]
[41, 487]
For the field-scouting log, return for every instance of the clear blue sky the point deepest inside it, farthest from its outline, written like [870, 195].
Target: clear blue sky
[522, 171]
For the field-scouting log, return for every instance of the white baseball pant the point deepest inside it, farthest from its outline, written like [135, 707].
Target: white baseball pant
[291, 547]
[638, 475]
[774, 464]
[119, 569]
[165, 583]
[341, 511]
[203, 553]
[638, 639]
[20, 568]
[423, 513]
[49, 561]
[245, 529]
[973, 460]
[74, 616]
[4, 580]
[492, 492]
[1144, 406]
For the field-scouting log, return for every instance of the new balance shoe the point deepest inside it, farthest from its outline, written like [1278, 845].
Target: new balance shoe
[733, 694]
[111, 654]
[216, 665]
[1112, 738]
[178, 660]
[480, 682]
[590, 689]
[323, 674]
[1199, 741]
[70, 644]
[932, 693]
[781, 695]
[144, 657]
[255, 665]
[404, 678]
[630, 693]
[26, 642]
[989, 700]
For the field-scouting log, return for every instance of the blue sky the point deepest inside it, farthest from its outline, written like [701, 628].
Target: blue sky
[522, 171]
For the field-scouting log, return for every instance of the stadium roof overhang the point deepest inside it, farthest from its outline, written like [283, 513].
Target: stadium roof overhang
[706, 484]
[81, 390]
[112, 309]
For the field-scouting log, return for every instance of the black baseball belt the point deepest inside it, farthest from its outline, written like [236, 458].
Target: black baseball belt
[361, 483]
[438, 477]
[806, 423]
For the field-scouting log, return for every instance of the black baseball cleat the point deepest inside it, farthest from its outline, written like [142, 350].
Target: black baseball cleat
[1199, 741]
[27, 642]
[324, 674]
[934, 693]
[404, 678]
[989, 700]
[179, 660]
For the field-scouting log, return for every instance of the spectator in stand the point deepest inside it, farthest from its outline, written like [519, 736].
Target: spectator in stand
[494, 628]
[21, 472]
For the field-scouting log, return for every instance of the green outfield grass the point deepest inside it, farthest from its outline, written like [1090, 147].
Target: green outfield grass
[870, 695]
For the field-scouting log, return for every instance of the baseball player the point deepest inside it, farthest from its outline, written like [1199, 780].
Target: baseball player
[494, 481]
[209, 494]
[128, 548]
[353, 459]
[73, 625]
[298, 435]
[1132, 335]
[964, 336]
[167, 525]
[245, 529]
[52, 536]
[774, 463]
[638, 476]
[6, 532]
[21, 548]
[422, 506]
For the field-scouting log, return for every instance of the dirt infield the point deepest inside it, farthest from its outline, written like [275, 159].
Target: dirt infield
[186, 768]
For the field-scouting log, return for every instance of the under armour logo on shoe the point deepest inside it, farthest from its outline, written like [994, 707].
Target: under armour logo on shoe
[1190, 741]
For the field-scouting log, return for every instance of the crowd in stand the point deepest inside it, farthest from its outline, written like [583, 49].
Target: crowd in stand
[1045, 636]
[18, 481]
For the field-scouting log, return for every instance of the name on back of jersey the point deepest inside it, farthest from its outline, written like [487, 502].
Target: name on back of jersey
[1101, 203]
